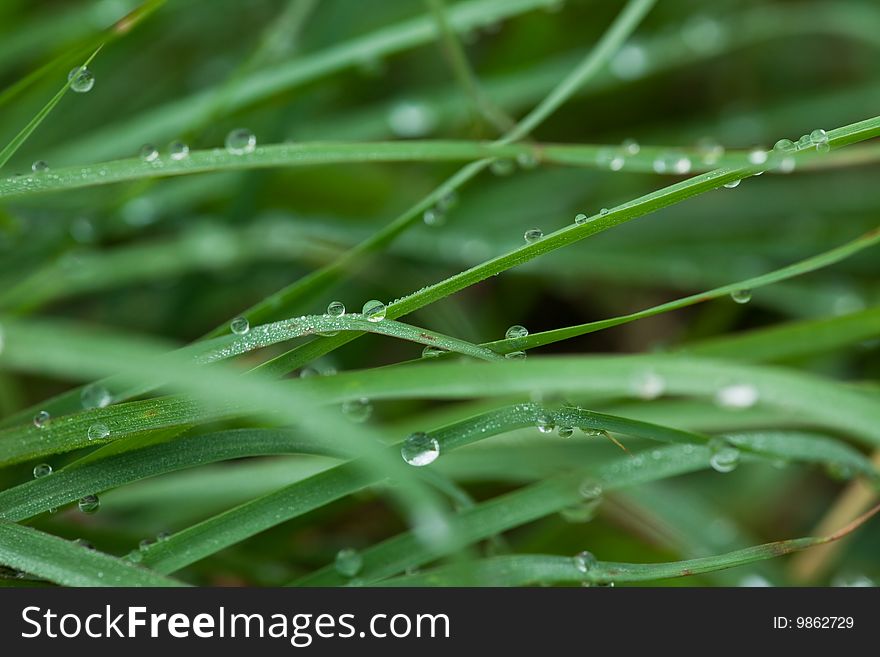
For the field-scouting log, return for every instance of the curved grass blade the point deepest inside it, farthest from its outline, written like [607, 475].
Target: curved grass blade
[67, 563]
[520, 570]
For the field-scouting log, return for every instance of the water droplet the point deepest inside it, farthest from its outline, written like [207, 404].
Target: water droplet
[733, 183]
[757, 156]
[40, 166]
[81, 79]
[95, 395]
[515, 355]
[149, 153]
[740, 395]
[145, 543]
[98, 431]
[336, 309]
[784, 146]
[710, 150]
[818, 136]
[592, 432]
[631, 146]
[565, 432]
[649, 385]
[630, 62]
[527, 160]
[420, 449]
[545, 423]
[516, 331]
[308, 372]
[434, 217]
[787, 165]
[240, 326]
[178, 150]
[431, 351]
[89, 504]
[357, 410]
[447, 201]
[584, 561]
[374, 311]
[590, 489]
[680, 164]
[349, 562]
[804, 142]
[42, 470]
[723, 457]
[83, 543]
[240, 141]
[163, 536]
[533, 235]
[41, 419]
[580, 219]
[741, 296]
[501, 167]
[411, 119]
[823, 148]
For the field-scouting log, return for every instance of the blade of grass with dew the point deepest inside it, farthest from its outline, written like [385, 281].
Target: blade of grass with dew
[67, 563]
[19, 139]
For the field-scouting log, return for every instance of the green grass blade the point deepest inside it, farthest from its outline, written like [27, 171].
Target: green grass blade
[67, 563]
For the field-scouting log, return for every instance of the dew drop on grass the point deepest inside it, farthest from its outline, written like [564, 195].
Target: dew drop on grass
[431, 351]
[804, 142]
[784, 146]
[515, 355]
[787, 165]
[723, 457]
[178, 150]
[434, 217]
[240, 141]
[516, 331]
[580, 219]
[533, 235]
[591, 432]
[336, 309]
[374, 311]
[95, 395]
[584, 561]
[630, 62]
[42, 470]
[545, 423]
[740, 395]
[590, 489]
[818, 136]
[40, 166]
[81, 79]
[823, 147]
[757, 156]
[98, 431]
[565, 432]
[149, 153]
[501, 167]
[733, 183]
[89, 504]
[741, 296]
[420, 449]
[240, 326]
[649, 385]
[41, 419]
[349, 562]
[411, 119]
[357, 410]
[631, 146]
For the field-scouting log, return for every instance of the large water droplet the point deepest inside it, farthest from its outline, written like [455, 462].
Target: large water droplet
[723, 457]
[420, 449]
[784, 146]
[374, 311]
[89, 504]
[649, 385]
[516, 331]
[515, 355]
[81, 79]
[592, 432]
[545, 423]
[178, 150]
[357, 410]
[502, 167]
[533, 235]
[818, 136]
[241, 141]
[584, 561]
[757, 156]
[95, 395]
[336, 309]
[240, 326]
[740, 395]
[42, 419]
[98, 431]
[631, 146]
[349, 562]
[42, 470]
[580, 219]
[434, 217]
[565, 432]
[149, 153]
[733, 183]
[40, 166]
[431, 351]
[741, 296]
